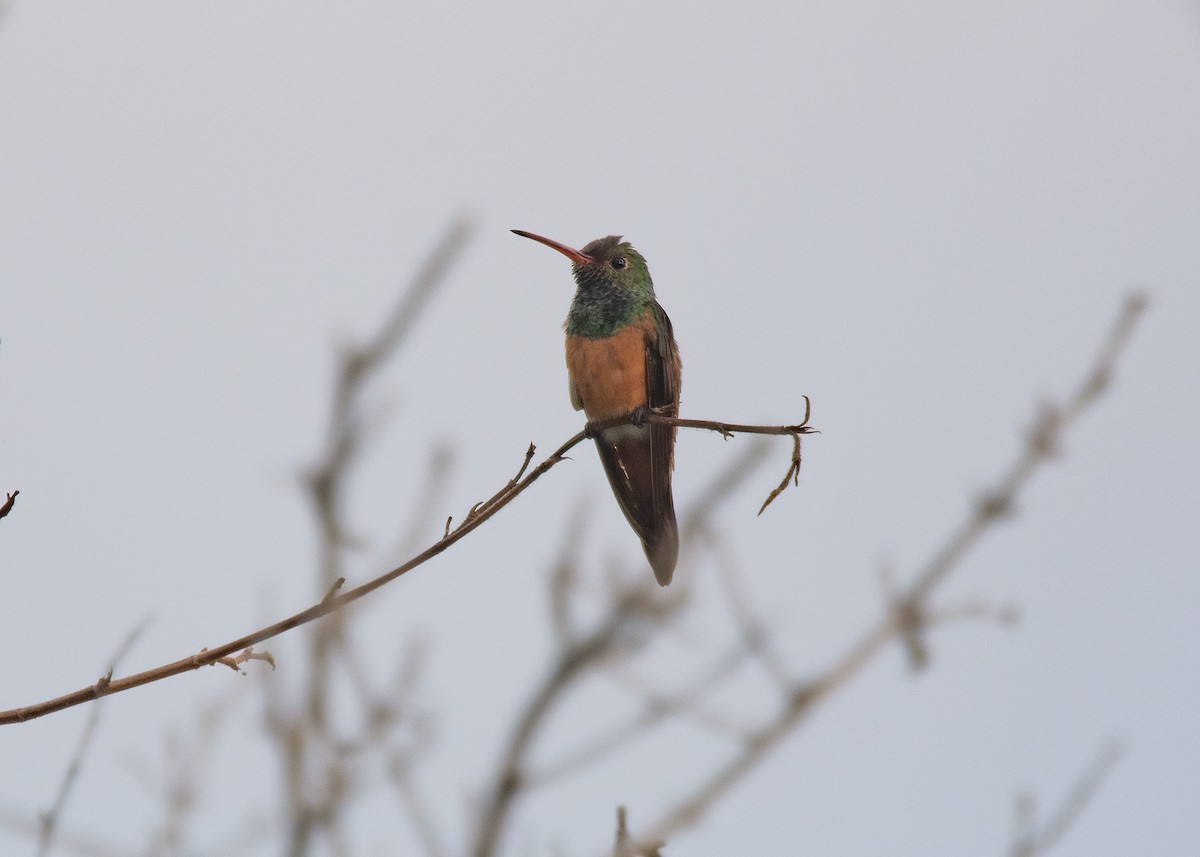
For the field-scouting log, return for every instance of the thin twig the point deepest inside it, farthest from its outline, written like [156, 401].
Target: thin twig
[187, 763]
[318, 808]
[49, 819]
[728, 430]
[572, 663]
[656, 708]
[564, 576]
[433, 494]
[626, 846]
[383, 714]
[1032, 841]
[577, 652]
[1041, 443]
[751, 627]
[487, 509]
[793, 473]
[22, 824]
[697, 521]
[405, 315]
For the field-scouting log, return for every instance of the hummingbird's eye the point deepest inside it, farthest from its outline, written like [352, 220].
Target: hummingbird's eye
[618, 262]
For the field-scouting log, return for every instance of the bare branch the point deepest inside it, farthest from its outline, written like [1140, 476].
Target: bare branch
[433, 494]
[186, 764]
[793, 473]
[318, 809]
[726, 430]
[1039, 445]
[206, 657]
[580, 653]
[1032, 841]
[49, 819]
[563, 578]
[751, 627]
[627, 846]
[22, 824]
[572, 663]
[407, 312]
[657, 707]
[345, 436]
[383, 713]
[698, 518]
[309, 727]
[1043, 440]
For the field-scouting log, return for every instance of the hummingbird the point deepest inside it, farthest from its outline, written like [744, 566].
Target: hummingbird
[623, 361]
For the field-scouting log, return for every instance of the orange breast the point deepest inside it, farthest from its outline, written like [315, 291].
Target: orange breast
[609, 375]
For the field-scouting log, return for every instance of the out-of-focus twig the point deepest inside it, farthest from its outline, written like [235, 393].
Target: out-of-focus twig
[657, 707]
[186, 761]
[1041, 443]
[572, 663]
[564, 576]
[319, 806]
[358, 365]
[751, 627]
[48, 828]
[626, 846]
[1033, 840]
[578, 655]
[24, 824]
[432, 491]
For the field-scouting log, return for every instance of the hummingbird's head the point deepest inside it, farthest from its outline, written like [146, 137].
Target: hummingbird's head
[613, 263]
[606, 265]
[612, 285]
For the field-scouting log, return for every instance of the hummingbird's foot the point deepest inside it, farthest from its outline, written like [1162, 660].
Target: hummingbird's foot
[588, 431]
[638, 417]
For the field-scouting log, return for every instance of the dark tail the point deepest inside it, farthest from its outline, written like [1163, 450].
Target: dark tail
[640, 476]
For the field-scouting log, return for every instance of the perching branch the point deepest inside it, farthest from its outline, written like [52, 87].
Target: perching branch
[479, 514]
[728, 430]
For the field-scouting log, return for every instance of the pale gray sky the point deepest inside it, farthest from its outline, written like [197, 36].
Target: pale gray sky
[923, 215]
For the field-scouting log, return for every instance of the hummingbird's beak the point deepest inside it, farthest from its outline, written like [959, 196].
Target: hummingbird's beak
[570, 252]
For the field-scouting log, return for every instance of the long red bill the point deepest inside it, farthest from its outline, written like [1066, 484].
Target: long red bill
[570, 252]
